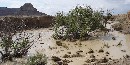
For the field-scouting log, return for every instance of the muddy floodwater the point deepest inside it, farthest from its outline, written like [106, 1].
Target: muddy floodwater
[114, 49]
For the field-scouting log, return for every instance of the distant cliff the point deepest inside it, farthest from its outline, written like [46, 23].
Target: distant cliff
[27, 9]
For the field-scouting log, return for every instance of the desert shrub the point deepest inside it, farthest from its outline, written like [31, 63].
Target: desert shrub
[121, 18]
[38, 59]
[21, 48]
[6, 46]
[8, 28]
[107, 16]
[13, 49]
[78, 23]
[117, 26]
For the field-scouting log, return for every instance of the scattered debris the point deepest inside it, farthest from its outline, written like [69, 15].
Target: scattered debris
[50, 29]
[107, 52]
[119, 44]
[41, 43]
[66, 61]
[80, 51]
[52, 47]
[113, 38]
[110, 59]
[59, 43]
[123, 50]
[104, 60]
[62, 62]
[91, 51]
[77, 55]
[62, 50]
[59, 63]
[55, 59]
[69, 52]
[65, 46]
[66, 56]
[92, 56]
[88, 61]
[106, 45]
[101, 50]
[80, 43]
[75, 43]
[93, 60]
[127, 56]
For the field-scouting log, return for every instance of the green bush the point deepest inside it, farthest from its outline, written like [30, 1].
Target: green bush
[78, 23]
[21, 48]
[12, 48]
[38, 59]
[6, 46]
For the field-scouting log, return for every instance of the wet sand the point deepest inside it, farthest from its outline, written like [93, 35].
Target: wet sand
[111, 48]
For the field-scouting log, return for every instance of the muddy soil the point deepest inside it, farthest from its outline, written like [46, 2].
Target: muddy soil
[112, 48]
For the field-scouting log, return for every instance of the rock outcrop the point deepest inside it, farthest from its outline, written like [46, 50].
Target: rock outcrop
[27, 9]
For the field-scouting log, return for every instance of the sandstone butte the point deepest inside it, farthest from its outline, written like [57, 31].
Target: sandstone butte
[27, 9]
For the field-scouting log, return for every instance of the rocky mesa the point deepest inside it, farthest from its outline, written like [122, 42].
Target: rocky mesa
[27, 9]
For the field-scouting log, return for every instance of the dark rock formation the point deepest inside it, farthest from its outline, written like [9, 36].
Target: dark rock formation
[27, 9]
[14, 24]
[8, 11]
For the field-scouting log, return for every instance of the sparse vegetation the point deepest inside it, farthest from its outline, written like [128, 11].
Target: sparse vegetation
[38, 59]
[6, 45]
[13, 49]
[21, 48]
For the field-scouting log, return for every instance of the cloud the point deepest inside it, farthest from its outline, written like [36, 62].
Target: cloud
[127, 1]
[53, 6]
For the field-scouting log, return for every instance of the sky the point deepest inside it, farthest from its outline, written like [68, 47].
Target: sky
[51, 7]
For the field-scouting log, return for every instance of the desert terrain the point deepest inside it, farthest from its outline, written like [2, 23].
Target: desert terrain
[112, 48]
[86, 37]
